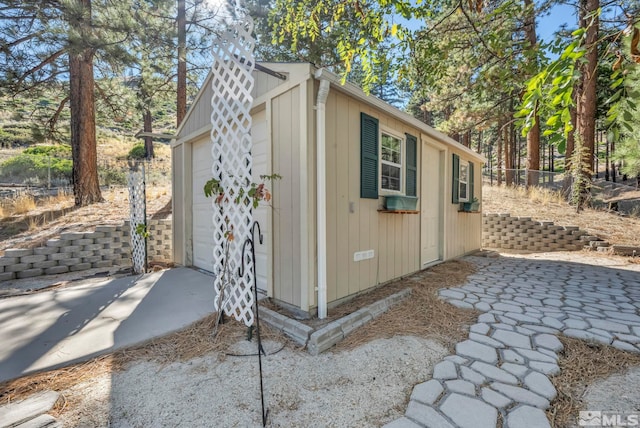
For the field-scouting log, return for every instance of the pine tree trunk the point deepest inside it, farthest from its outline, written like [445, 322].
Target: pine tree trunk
[466, 139]
[181, 101]
[86, 187]
[586, 101]
[148, 127]
[509, 147]
[533, 137]
[571, 138]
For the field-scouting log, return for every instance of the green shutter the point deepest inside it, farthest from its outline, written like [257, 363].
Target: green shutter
[368, 157]
[412, 165]
[470, 181]
[455, 197]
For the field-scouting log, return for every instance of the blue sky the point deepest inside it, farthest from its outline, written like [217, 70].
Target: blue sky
[558, 15]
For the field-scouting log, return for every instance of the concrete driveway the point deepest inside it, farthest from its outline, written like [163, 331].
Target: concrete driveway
[54, 328]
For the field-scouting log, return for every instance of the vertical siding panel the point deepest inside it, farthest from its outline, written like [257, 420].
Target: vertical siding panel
[391, 242]
[382, 251]
[406, 240]
[353, 141]
[372, 264]
[332, 210]
[285, 143]
[364, 231]
[341, 173]
[294, 162]
[278, 291]
[397, 240]
[285, 207]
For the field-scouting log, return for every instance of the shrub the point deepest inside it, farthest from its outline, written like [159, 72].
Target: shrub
[112, 177]
[137, 152]
[16, 134]
[36, 167]
[60, 151]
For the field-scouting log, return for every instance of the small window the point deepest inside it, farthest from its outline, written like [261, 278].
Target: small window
[391, 163]
[463, 184]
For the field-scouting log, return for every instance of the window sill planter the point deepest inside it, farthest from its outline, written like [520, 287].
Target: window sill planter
[470, 207]
[400, 203]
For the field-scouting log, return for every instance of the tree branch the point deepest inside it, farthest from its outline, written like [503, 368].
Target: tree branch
[40, 66]
[475, 29]
[56, 115]
[21, 40]
[441, 20]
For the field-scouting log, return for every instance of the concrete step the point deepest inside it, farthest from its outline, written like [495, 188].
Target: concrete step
[42, 421]
[14, 414]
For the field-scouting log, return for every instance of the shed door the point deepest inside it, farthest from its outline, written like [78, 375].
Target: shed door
[202, 239]
[203, 207]
[431, 209]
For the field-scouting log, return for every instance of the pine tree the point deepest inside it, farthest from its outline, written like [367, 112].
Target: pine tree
[47, 41]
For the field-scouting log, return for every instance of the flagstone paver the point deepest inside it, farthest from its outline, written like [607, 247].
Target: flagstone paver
[504, 366]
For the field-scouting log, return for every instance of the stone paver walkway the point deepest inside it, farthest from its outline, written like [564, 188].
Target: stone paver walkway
[502, 369]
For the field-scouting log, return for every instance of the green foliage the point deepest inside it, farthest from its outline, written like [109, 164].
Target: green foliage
[26, 166]
[15, 134]
[549, 94]
[256, 192]
[350, 32]
[137, 152]
[141, 230]
[465, 66]
[112, 177]
[624, 108]
[62, 150]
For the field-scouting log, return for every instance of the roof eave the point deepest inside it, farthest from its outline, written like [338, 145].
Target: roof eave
[358, 93]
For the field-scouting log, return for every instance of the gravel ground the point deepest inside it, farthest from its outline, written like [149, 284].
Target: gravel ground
[618, 393]
[367, 386]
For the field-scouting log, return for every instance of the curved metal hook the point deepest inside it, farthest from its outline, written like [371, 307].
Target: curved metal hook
[250, 240]
[253, 230]
[244, 249]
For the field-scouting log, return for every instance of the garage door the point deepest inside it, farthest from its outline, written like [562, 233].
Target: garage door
[202, 206]
[203, 209]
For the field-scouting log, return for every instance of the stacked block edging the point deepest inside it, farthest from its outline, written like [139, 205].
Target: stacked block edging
[75, 251]
[525, 234]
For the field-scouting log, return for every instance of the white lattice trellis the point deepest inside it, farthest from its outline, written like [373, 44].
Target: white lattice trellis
[138, 212]
[231, 149]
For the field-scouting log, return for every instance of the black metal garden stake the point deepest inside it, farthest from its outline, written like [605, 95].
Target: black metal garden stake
[250, 242]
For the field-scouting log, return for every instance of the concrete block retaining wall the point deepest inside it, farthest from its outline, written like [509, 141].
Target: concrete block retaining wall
[75, 251]
[522, 233]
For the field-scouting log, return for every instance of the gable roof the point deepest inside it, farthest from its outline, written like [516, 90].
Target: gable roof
[305, 69]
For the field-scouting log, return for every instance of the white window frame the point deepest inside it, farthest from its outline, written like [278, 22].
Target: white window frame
[462, 182]
[401, 165]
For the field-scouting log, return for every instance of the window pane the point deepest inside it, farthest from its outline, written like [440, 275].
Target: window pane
[390, 177]
[463, 191]
[391, 149]
[464, 172]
